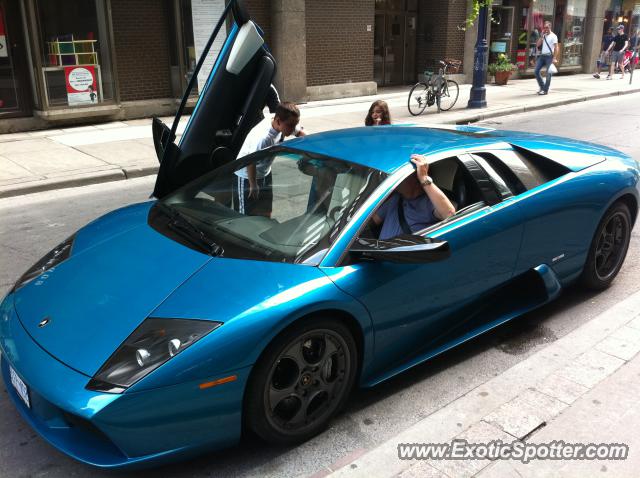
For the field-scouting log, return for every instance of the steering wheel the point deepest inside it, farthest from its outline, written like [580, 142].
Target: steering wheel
[334, 212]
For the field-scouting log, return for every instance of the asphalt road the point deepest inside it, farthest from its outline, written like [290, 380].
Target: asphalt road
[31, 225]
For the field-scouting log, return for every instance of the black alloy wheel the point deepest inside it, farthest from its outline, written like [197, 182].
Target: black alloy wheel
[608, 248]
[301, 381]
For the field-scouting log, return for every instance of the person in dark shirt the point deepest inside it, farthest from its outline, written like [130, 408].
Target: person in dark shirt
[607, 39]
[603, 59]
[617, 47]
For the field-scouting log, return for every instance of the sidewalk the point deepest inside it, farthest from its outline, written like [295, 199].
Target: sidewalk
[59, 158]
[583, 388]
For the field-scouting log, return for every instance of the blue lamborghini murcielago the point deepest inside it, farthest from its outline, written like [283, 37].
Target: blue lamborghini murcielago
[167, 328]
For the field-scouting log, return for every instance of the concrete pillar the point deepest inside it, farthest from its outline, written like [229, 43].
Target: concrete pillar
[593, 33]
[289, 47]
[470, 37]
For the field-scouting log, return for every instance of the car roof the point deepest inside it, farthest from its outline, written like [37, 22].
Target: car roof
[388, 148]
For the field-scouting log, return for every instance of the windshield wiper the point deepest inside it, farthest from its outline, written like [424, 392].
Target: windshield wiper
[181, 224]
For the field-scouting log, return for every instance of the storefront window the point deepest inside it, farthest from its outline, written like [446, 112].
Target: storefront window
[573, 35]
[535, 13]
[625, 13]
[76, 62]
[568, 22]
[9, 98]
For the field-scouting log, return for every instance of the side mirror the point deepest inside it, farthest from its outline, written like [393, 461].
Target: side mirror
[407, 248]
[161, 137]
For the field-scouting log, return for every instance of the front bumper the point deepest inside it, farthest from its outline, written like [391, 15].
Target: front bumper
[116, 430]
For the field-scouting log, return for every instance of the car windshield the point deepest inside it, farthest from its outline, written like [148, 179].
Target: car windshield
[292, 216]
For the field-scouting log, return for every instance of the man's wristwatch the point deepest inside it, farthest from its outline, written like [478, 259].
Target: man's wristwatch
[427, 181]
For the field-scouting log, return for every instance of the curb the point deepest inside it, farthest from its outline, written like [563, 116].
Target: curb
[141, 171]
[510, 110]
[76, 180]
[516, 403]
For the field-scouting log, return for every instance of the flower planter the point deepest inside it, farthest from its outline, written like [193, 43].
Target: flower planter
[502, 77]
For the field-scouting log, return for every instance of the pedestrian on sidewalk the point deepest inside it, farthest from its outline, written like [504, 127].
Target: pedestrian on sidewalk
[548, 46]
[617, 47]
[252, 193]
[604, 58]
[378, 114]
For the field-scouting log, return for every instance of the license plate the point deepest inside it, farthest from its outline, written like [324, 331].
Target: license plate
[20, 386]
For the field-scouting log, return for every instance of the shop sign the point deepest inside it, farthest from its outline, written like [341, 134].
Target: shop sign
[498, 47]
[4, 53]
[81, 85]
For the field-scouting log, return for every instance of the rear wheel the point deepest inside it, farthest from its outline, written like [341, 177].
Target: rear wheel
[608, 248]
[301, 381]
[447, 95]
[418, 98]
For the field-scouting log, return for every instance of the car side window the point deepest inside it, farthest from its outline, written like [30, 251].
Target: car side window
[456, 182]
[520, 172]
[498, 181]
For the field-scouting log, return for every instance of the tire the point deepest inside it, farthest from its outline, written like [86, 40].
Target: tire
[417, 101]
[448, 96]
[608, 248]
[301, 381]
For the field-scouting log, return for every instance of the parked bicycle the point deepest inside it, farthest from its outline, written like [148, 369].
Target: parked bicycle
[436, 88]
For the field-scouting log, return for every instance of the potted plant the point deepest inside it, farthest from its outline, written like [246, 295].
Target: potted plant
[501, 69]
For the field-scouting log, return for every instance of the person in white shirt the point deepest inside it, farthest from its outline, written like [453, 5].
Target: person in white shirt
[252, 191]
[548, 45]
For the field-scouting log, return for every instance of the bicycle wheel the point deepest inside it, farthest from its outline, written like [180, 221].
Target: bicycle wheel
[447, 95]
[417, 98]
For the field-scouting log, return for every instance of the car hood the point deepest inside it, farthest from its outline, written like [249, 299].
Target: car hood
[118, 273]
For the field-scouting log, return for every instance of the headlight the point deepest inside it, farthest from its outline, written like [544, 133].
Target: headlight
[153, 343]
[59, 253]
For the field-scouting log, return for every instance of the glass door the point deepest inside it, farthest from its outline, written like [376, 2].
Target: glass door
[394, 48]
[378, 49]
[14, 84]
[501, 31]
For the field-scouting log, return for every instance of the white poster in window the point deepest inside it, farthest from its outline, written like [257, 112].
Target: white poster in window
[577, 8]
[544, 7]
[81, 85]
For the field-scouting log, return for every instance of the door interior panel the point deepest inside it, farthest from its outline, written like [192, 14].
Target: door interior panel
[230, 105]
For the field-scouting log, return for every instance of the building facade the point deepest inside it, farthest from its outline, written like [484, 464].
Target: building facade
[66, 61]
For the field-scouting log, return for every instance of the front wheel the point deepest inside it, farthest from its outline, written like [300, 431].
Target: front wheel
[608, 248]
[447, 95]
[418, 98]
[301, 381]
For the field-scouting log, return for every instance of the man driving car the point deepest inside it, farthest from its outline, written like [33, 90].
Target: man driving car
[416, 204]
